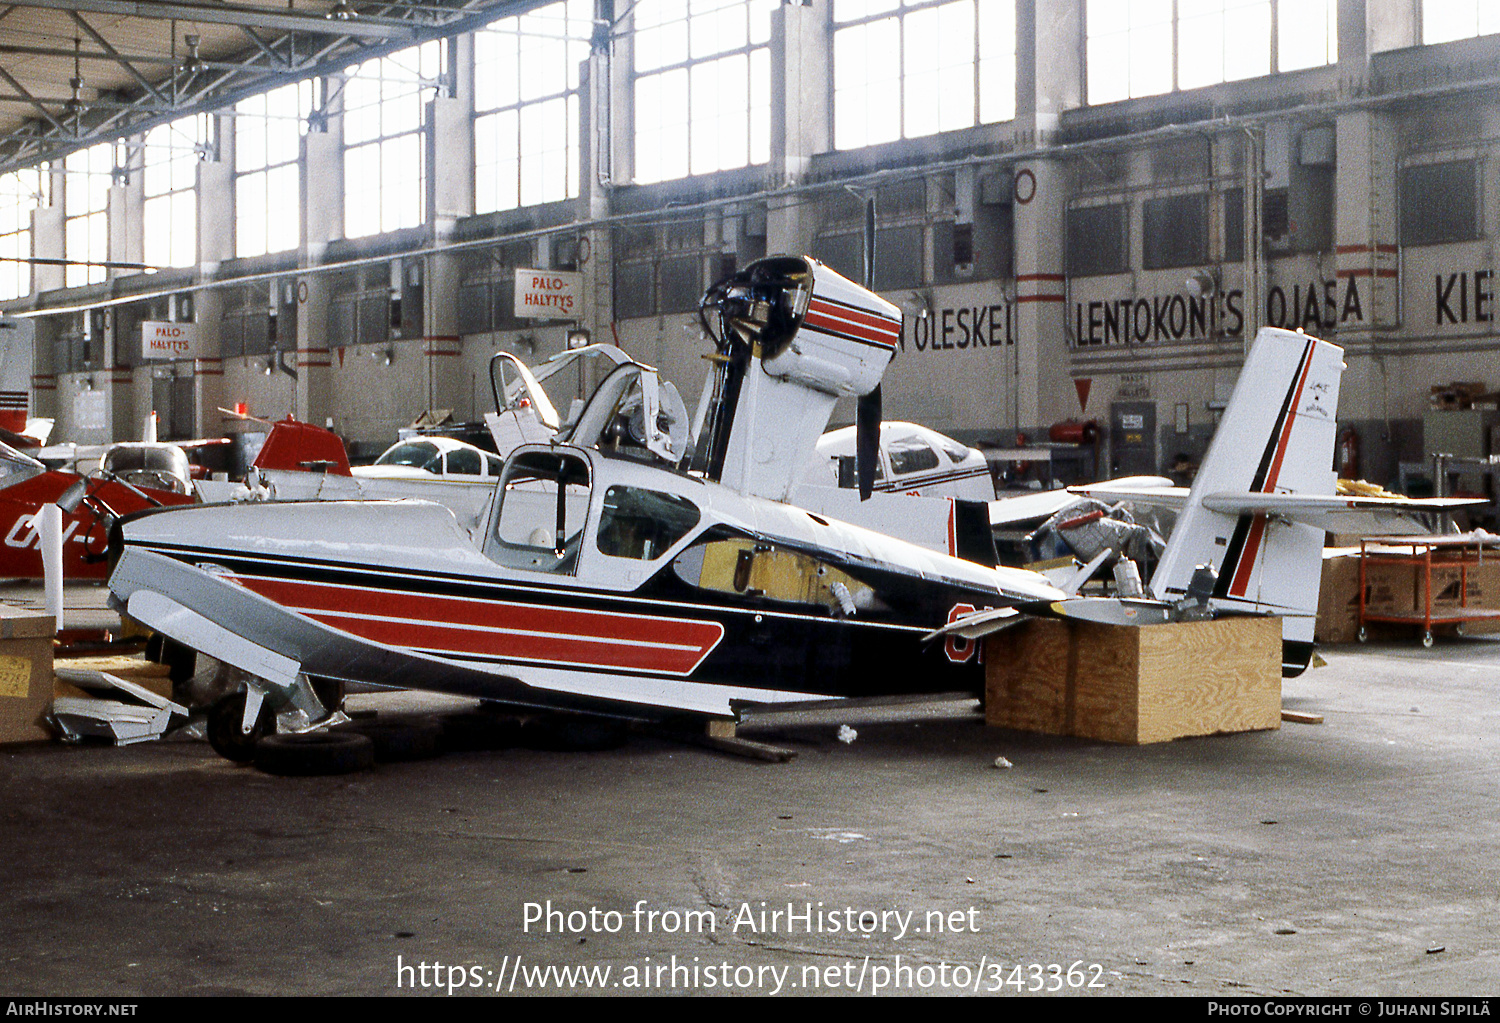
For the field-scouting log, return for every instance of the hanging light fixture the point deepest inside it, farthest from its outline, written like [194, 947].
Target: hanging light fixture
[194, 65]
[341, 11]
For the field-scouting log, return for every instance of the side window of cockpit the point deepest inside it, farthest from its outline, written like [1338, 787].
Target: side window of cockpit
[911, 454]
[465, 462]
[641, 524]
[544, 501]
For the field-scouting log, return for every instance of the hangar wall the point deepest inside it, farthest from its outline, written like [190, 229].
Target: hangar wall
[1043, 263]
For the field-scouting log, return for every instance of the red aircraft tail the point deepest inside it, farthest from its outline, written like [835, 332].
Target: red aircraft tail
[294, 445]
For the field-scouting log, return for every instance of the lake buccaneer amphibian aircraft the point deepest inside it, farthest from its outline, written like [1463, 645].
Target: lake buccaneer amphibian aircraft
[618, 572]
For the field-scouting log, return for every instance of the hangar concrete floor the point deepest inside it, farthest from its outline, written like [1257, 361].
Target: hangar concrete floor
[1356, 856]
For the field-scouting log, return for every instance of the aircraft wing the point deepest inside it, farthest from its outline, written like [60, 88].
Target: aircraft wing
[1028, 509]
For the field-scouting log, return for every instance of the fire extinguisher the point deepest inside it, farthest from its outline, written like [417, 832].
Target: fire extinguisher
[1348, 454]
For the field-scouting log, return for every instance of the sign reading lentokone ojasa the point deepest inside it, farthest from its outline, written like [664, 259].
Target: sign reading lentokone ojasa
[549, 294]
[160, 340]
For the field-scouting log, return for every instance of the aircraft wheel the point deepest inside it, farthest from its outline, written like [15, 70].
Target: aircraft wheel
[1427, 639]
[399, 740]
[313, 753]
[224, 733]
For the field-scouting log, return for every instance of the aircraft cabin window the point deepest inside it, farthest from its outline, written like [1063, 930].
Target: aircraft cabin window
[954, 450]
[420, 454]
[910, 454]
[465, 461]
[641, 524]
[544, 502]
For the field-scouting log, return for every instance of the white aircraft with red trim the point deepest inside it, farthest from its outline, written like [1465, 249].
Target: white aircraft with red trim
[617, 573]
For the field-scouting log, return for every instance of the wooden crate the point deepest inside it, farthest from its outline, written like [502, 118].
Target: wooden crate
[1135, 684]
[25, 674]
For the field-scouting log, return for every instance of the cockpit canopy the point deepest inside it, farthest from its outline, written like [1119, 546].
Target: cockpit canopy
[158, 466]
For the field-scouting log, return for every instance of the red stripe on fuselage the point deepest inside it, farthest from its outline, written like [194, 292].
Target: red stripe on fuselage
[823, 316]
[503, 629]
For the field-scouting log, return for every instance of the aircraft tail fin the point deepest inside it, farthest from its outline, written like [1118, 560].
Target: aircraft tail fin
[1276, 437]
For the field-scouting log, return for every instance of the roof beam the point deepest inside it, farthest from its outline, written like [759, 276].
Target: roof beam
[104, 45]
[229, 14]
[29, 98]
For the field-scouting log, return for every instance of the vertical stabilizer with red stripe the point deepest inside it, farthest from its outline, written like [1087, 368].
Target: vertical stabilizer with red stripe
[1276, 437]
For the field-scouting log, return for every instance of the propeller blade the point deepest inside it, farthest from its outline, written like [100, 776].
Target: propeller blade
[867, 441]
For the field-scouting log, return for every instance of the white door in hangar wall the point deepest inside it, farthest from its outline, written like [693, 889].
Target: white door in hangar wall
[1132, 438]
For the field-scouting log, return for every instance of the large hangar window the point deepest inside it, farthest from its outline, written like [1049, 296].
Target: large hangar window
[267, 132]
[910, 68]
[702, 86]
[20, 193]
[87, 176]
[1446, 20]
[169, 160]
[1149, 47]
[526, 106]
[384, 179]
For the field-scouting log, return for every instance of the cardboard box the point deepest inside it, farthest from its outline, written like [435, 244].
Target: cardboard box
[1338, 598]
[25, 674]
[1135, 684]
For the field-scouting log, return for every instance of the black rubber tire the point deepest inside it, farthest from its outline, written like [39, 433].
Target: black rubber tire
[304, 754]
[478, 731]
[397, 741]
[223, 728]
[568, 733]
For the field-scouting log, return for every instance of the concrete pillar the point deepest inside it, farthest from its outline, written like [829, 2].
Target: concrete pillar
[322, 198]
[132, 246]
[46, 243]
[442, 347]
[1049, 67]
[314, 361]
[1040, 203]
[322, 191]
[1365, 233]
[215, 179]
[1387, 24]
[596, 261]
[117, 216]
[1049, 80]
[801, 117]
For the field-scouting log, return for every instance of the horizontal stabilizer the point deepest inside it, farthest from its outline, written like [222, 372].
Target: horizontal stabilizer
[1338, 514]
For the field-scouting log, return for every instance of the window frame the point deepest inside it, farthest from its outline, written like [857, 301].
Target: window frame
[1274, 54]
[757, 57]
[899, 12]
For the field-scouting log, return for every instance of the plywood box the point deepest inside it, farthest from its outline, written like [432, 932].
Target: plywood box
[25, 674]
[1135, 684]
